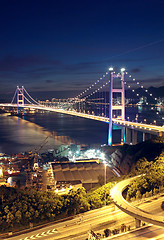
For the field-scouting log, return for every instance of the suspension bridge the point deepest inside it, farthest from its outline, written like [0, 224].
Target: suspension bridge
[98, 104]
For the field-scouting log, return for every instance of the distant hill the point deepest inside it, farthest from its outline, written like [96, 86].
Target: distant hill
[158, 92]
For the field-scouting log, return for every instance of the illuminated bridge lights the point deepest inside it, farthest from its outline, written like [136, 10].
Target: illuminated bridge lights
[153, 128]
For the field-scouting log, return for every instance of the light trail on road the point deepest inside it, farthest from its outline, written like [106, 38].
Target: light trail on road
[98, 220]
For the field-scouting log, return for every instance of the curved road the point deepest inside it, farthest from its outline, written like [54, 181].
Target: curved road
[98, 219]
[121, 203]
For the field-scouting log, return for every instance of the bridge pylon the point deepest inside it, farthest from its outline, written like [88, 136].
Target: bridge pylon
[20, 98]
[114, 107]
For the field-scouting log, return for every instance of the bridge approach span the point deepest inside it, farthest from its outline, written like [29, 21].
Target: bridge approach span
[147, 128]
[138, 214]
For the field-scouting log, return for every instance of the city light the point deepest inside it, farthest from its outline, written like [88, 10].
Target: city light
[122, 69]
[111, 69]
[102, 156]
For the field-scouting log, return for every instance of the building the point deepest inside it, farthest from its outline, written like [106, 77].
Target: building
[87, 173]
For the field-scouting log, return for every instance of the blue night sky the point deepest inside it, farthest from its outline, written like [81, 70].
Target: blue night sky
[50, 45]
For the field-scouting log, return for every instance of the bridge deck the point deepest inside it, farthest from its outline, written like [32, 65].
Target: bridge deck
[132, 125]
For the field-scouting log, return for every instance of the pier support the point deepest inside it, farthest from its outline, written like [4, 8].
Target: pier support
[128, 135]
[134, 137]
[123, 137]
[138, 223]
[145, 136]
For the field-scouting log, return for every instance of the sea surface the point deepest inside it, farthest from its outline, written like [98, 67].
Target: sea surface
[53, 129]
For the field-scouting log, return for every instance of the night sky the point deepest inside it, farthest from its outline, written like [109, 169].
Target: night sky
[53, 45]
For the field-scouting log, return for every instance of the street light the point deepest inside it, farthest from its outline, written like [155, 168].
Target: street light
[105, 179]
[122, 69]
[105, 173]
[111, 69]
[103, 157]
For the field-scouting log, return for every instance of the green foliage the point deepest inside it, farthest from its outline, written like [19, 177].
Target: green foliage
[151, 193]
[128, 197]
[144, 196]
[133, 199]
[147, 194]
[23, 206]
[76, 201]
[138, 195]
[152, 180]
[100, 196]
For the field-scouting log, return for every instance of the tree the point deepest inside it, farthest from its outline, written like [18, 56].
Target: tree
[28, 216]
[94, 200]
[76, 201]
[9, 219]
[156, 191]
[18, 216]
[138, 195]
[144, 196]
[147, 194]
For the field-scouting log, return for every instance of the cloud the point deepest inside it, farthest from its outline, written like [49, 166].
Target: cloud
[39, 67]
[38, 88]
[135, 70]
[78, 84]
[17, 64]
[155, 81]
[49, 81]
[42, 74]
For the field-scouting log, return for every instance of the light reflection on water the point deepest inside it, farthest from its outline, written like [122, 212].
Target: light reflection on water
[20, 135]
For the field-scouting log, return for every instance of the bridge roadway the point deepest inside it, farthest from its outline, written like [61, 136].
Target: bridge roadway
[147, 128]
[138, 214]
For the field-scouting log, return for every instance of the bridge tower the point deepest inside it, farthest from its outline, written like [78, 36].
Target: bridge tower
[20, 98]
[117, 106]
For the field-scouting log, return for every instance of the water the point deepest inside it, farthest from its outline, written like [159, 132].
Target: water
[20, 135]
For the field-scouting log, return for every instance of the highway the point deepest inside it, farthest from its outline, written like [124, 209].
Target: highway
[97, 220]
[121, 203]
[157, 130]
[148, 232]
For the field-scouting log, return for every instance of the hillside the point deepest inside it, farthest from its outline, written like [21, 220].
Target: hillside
[125, 157]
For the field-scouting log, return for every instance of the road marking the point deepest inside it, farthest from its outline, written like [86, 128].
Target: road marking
[38, 236]
[26, 238]
[32, 237]
[43, 234]
[54, 230]
[48, 232]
